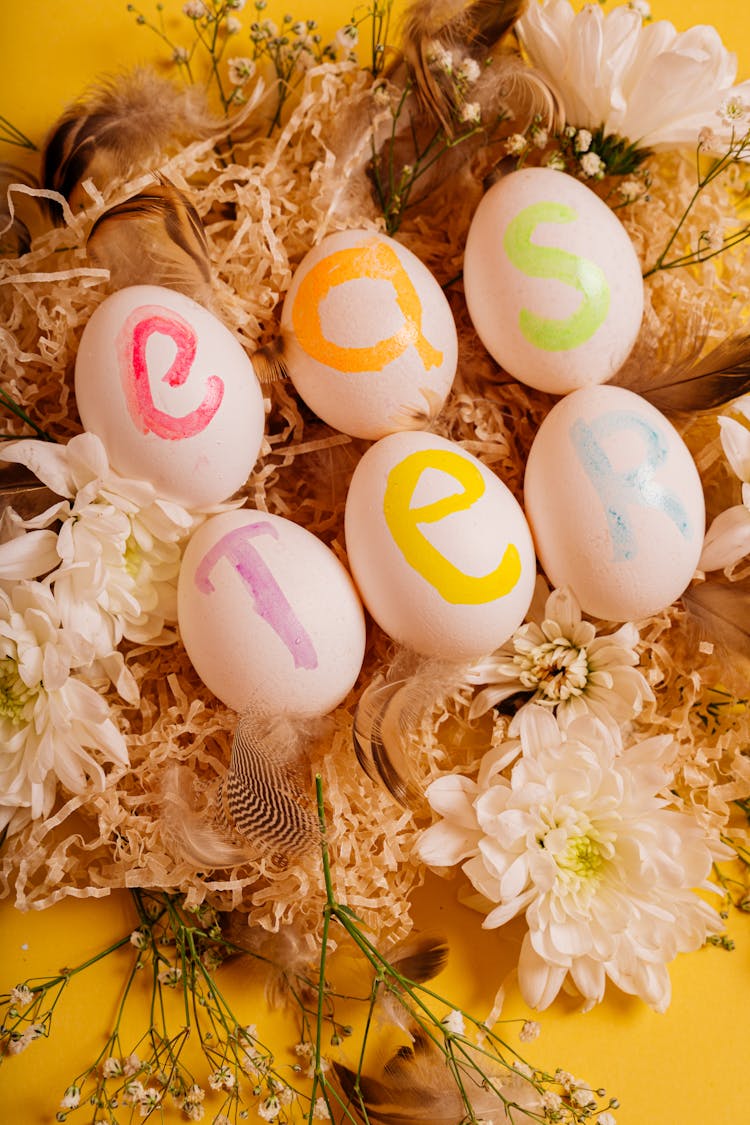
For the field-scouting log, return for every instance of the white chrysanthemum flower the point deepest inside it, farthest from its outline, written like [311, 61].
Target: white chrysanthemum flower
[49, 719]
[118, 548]
[645, 82]
[580, 840]
[728, 538]
[565, 666]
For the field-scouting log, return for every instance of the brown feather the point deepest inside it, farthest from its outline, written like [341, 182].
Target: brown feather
[475, 28]
[121, 126]
[155, 237]
[417, 1087]
[420, 956]
[704, 384]
[387, 719]
[270, 363]
[720, 610]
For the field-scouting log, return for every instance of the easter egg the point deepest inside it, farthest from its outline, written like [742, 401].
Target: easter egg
[171, 393]
[268, 615]
[369, 338]
[438, 547]
[552, 280]
[615, 503]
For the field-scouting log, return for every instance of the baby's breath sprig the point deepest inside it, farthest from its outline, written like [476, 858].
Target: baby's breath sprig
[477, 1061]
[177, 952]
[291, 51]
[711, 241]
[377, 14]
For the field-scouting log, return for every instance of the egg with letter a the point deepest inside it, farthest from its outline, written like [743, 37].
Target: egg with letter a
[615, 503]
[553, 283]
[171, 393]
[268, 615]
[438, 546]
[370, 342]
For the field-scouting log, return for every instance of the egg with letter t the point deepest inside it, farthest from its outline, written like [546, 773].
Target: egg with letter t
[553, 283]
[268, 615]
[615, 503]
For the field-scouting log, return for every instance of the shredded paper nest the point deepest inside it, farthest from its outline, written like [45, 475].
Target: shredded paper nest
[264, 208]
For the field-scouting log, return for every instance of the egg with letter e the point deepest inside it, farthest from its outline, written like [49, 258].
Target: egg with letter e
[171, 393]
[553, 283]
[438, 546]
[370, 342]
[615, 503]
[268, 615]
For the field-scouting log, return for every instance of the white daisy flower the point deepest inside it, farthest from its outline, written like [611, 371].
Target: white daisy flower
[646, 82]
[579, 840]
[728, 538]
[564, 666]
[50, 720]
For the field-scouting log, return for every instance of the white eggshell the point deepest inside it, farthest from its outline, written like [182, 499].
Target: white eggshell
[615, 503]
[171, 393]
[268, 615]
[438, 546]
[552, 281]
[369, 338]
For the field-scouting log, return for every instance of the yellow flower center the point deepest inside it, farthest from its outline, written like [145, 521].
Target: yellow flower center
[556, 670]
[15, 696]
[581, 857]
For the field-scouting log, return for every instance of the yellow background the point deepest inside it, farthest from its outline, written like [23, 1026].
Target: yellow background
[687, 1067]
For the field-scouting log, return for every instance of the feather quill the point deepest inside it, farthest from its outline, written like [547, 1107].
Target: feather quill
[417, 1086]
[451, 24]
[721, 611]
[262, 806]
[695, 383]
[155, 237]
[121, 126]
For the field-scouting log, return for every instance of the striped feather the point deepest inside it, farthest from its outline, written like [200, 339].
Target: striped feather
[262, 799]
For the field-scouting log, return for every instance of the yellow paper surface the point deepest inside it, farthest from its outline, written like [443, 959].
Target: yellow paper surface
[686, 1067]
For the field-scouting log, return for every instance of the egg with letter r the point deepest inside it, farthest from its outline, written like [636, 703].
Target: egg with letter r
[268, 615]
[553, 283]
[615, 503]
[438, 546]
[370, 342]
[171, 393]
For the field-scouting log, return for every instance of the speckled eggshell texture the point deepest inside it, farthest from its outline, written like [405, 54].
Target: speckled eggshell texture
[615, 503]
[268, 615]
[438, 546]
[369, 338]
[552, 280]
[171, 393]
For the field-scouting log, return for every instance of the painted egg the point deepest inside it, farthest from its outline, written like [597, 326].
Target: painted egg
[615, 503]
[438, 547]
[268, 615]
[171, 393]
[369, 338]
[552, 280]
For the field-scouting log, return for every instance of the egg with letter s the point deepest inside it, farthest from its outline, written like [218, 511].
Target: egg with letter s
[615, 503]
[171, 393]
[268, 615]
[553, 283]
[438, 546]
[370, 342]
